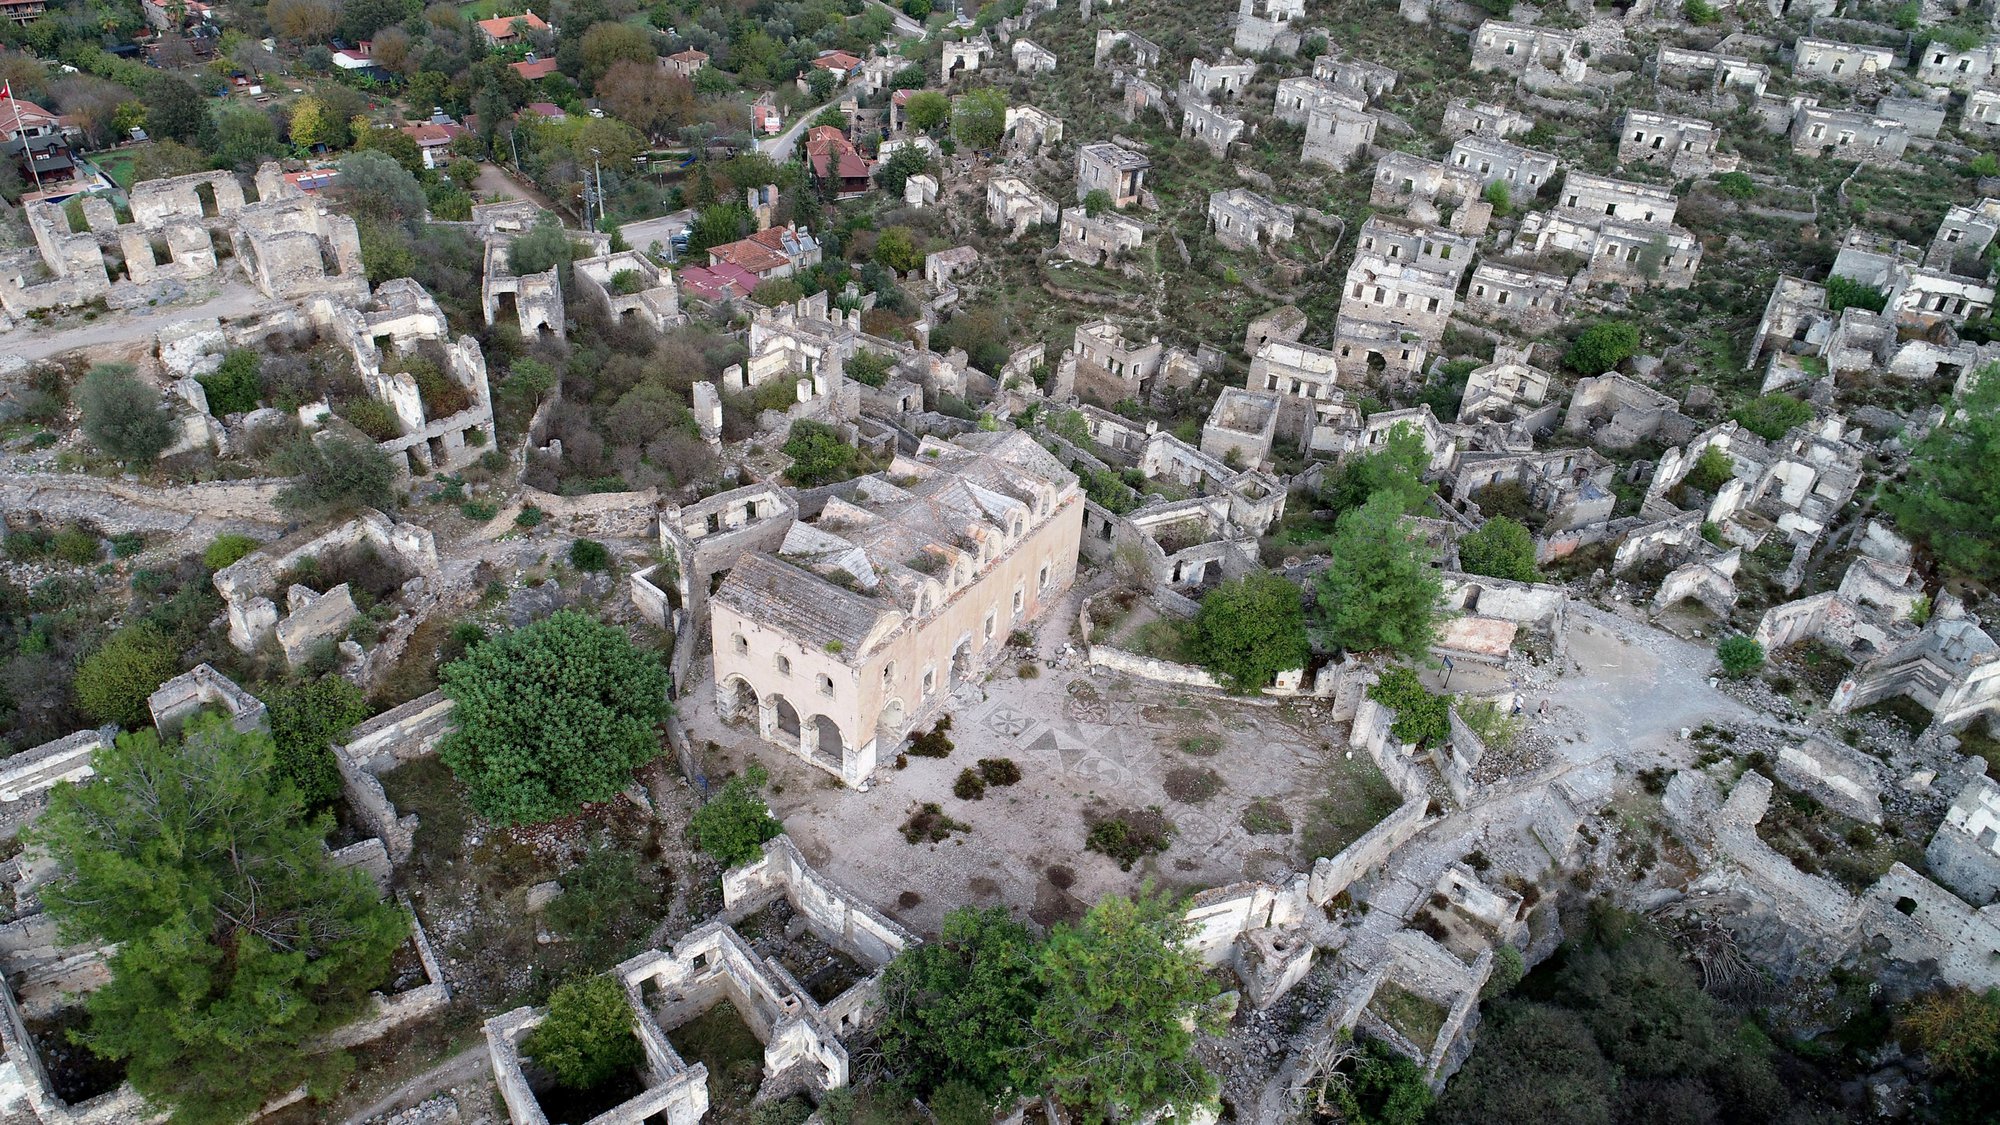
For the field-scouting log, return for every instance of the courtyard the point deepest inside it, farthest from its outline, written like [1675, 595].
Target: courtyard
[1252, 789]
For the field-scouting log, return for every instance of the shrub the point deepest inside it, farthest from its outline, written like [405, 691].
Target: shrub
[1421, 717]
[123, 416]
[1501, 548]
[818, 454]
[586, 1038]
[236, 386]
[1772, 416]
[478, 511]
[128, 544]
[1251, 629]
[928, 824]
[372, 417]
[1711, 471]
[29, 543]
[75, 545]
[224, 550]
[970, 786]
[1736, 185]
[1845, 293]
[1740, 655]
[333, 477]
[113, 682]
[733, 828]
[529, 516]
[1602, 347]
[933, 743]
[589, 554]
[603, 897]
[305, 720]
[1498, 195]
[1129, 838]
[999, 771]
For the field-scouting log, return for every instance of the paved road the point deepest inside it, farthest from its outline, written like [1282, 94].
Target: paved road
[904, 24]
[642, 234]
[234, 298]
[779, 148]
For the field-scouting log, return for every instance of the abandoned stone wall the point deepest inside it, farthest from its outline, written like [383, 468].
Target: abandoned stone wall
[608, 515]
[116, 506]
[833, 912]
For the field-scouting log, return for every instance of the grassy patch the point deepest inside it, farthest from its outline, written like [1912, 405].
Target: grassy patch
[1417, 1019]
[1267, 818]
[1977, 740]
[1356, 799]
[1820, 841]
[735, 1059]
[1191, 785]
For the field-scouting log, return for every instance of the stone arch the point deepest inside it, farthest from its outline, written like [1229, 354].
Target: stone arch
[787, 716]
[1472, 593]
[738, 700]
[823, 739]
[890, 724]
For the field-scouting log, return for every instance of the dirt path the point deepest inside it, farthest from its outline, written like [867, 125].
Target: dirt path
[495, 180]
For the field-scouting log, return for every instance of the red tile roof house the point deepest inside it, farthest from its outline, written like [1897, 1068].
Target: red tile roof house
[724, 281]
[503, 30]
[842, 64]
[534, 69]
[684, 63]
[831, 156]
[777, 252]
[434, 140]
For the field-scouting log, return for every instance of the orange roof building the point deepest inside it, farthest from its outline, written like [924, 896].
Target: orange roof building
[501, 30]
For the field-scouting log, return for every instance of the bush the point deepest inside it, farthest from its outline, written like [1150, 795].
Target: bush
[75, 545]
[1251, 629]
[970, 786]
[999, 771]
[529, 516]
[224, 550]
[478, 511]
[732, 828]
[372, 417]
[29, 543]
[603, 897]
[1421, 716]
[236, 386]
[586, 1039]
[1845, 293]
[933, 743]
[1501, 548]
[1711, 471]
[1736, 185]
[126, 545]
[1602, 347]
[305, 720]
[1740, 655]
[551, 716]
[333, 477]
[113, 682]
[589, 554]
[1129, 840]
[1773, 415]
[818, 454]
[123, 416]
[928, 824]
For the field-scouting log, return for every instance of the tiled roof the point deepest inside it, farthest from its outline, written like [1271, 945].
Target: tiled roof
[502, 27]
[540, 68]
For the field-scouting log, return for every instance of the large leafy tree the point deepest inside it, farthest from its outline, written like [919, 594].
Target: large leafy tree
[305, 721]
[733, 827]
[1380, 589]
[1111, 1038]
[239, 942]
[1396, 469]
[586, 1038]
[979, 117]
[334, 475]
[818, 454]
[959, 1007]
[550, 716]
[113, 683]
[1602, 347]
[1251, 629]
[1950, 498]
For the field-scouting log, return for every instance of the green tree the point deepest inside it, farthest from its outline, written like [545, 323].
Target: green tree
[112, 683]
[121, 415]
[1736, 185]
[1384, 1088]
[1422, 716]
[245, 137]
[314, 123]
[818, 454]
[1712, 470]
[927, 110]
[1250, 629]
[240, 943]
[306, 719]
[1396, 471]
[1772, 416]
[373, 184]
[897, 250]
[234, 387]
[334, 475]
[586, 1038]
[177, 110]
[1108, 1039]
[544, 247]
[1602, 347]
[589, 554]
[226, 549]
[1950, 497]
[1382, 587]
[550, 716]
[1740, 655]
[606, 44]
[1500, 197]
[901, 165]
[959, 1007]
[393, 143]
[1846, 293]
[722, 223]
[979, 117]
[1096, 202]
[733, 828]
[1501, 548]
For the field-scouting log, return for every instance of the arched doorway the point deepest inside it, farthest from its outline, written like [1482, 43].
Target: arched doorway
[739, 700]
[788, 716]
[828, 748]
[961, 662]
[890, 725]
